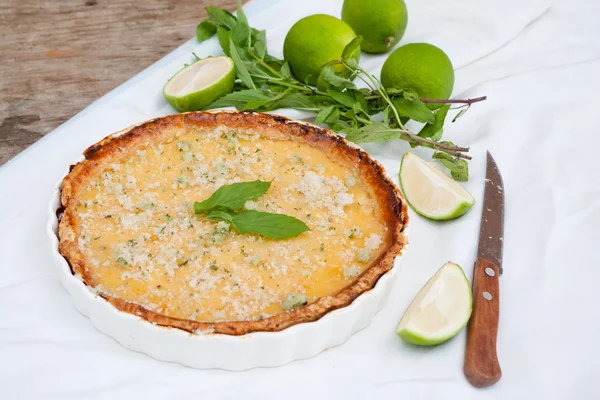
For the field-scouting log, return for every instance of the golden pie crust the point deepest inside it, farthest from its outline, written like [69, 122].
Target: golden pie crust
[392, 206]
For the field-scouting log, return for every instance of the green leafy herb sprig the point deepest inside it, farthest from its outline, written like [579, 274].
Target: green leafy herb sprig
[227, 202]
[370, 114]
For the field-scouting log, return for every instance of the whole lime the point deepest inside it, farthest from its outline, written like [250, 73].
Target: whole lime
[381, 23]
[421, 67]
[314, 41]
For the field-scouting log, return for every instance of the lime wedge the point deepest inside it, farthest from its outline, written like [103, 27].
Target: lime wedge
[431, 193]
[440, 310]
[201, 83]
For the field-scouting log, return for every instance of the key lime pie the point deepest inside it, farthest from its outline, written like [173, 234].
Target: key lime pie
[130, 232]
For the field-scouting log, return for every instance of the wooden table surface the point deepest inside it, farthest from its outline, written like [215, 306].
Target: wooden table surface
[57, 57]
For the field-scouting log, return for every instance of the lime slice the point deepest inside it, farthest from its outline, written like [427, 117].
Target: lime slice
[431, 193]
[440, 310]
[201, 83]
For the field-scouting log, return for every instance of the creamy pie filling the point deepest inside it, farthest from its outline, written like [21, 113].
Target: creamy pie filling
[138, 229]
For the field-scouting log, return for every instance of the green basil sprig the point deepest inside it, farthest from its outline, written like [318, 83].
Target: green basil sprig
[227, 202]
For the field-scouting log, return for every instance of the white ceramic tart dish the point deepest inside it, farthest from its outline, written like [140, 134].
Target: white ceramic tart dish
[166, 282]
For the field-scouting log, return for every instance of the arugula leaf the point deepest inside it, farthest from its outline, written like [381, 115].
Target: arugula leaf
[262, 103]
[328, 113]
[223, 36]
[376, 132]
[350, 47]
[285, 70]
[233, 196]
[205, 30]
[459, 169]
[357, 109]
[348, 113]
[294, 100]
[431, 130]
[241, 17]
[409, 105]
[260, 45]
[241, 33]
[196, 59]
[240, 99]
[256, 104]
[341, 97]
[353, 64]
[438, 135]
[460, 113]
[273, 60]
[257, 71]
[220, 17]
[359, 98]
[385, 115]
[340, 126]
[240, 67]
[270, 225]
[328, 78]
[253, 33]
[283, 100]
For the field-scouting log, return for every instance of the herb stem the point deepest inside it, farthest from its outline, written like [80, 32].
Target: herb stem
[387, 100]
[366, 82]
[293, 86]
[282, 80]
[264, 64]
[364, 121]
[455, 101]
[445, 148]
[382, 93]
[410, 137]
[377, 96]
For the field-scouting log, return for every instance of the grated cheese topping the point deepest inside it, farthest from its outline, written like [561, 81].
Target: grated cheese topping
[138, 230]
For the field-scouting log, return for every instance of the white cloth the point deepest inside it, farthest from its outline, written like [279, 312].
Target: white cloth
[539, 68]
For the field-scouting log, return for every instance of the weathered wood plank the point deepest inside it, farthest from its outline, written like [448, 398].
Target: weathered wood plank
[56, 57]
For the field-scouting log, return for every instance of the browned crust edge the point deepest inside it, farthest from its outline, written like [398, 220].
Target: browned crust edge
[392, 205]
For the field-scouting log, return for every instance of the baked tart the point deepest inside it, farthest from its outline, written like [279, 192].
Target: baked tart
[128, 228]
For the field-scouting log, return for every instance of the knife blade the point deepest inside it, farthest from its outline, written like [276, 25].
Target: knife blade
[491, 230]
[481, 365]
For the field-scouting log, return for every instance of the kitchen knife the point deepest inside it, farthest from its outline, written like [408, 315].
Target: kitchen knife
[481, 363]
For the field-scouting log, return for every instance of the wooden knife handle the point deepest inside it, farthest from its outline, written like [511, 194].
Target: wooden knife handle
[481, 363]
